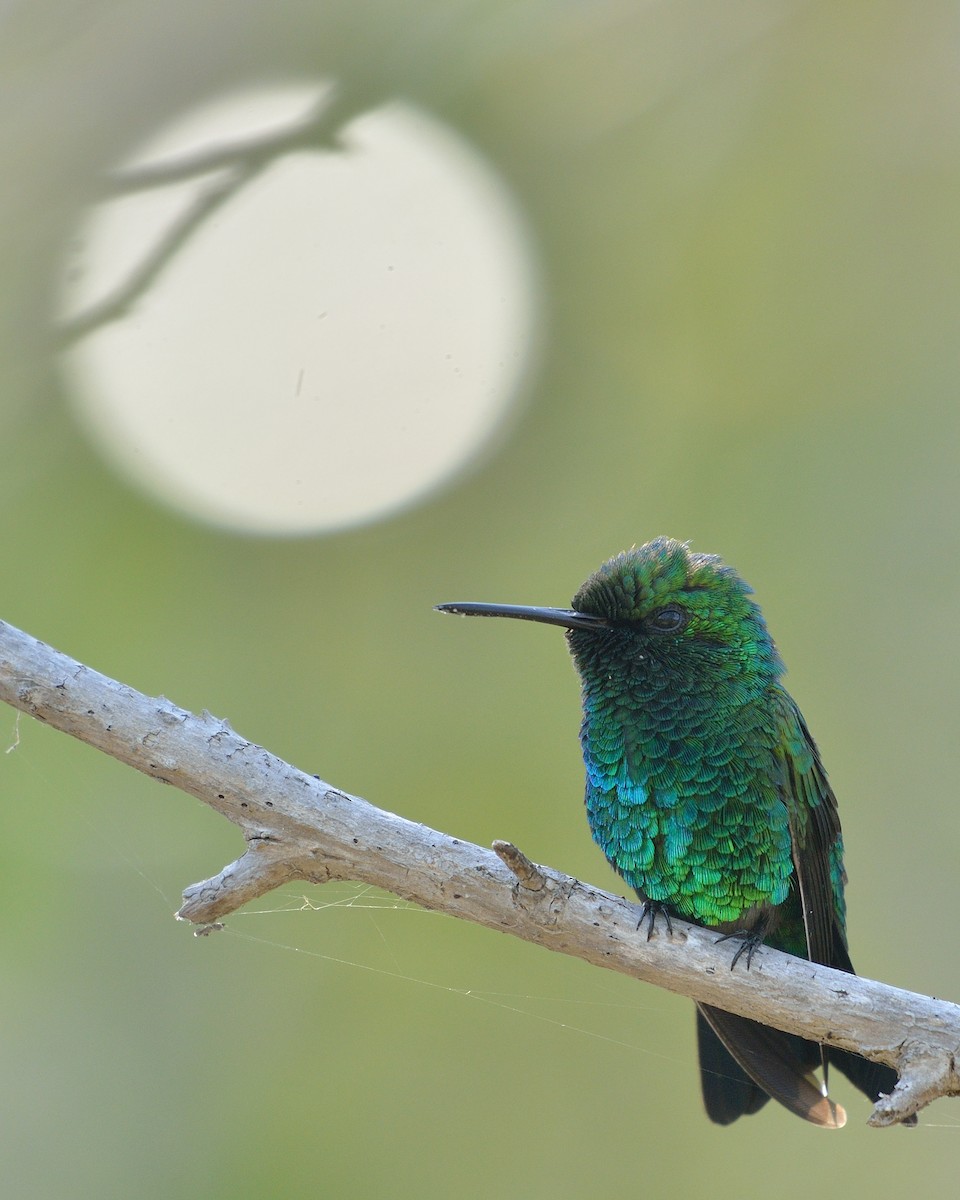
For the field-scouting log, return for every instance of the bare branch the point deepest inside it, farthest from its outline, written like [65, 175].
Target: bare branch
[316, 130]
[230, 166]
[297, 827]
[156, 258]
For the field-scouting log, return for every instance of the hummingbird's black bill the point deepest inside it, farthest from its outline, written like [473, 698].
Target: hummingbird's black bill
[567, 617]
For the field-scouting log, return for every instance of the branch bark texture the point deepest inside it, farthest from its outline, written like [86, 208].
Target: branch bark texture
[297, 827]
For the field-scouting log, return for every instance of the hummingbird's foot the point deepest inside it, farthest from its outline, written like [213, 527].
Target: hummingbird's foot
[750, 941]
[650, 911]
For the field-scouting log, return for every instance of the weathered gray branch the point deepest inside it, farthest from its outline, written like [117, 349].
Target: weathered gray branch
[297, 827]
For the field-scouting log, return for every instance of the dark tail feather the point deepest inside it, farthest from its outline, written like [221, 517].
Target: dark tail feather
[870, 1077]
[728, 1091]
[764, 1061]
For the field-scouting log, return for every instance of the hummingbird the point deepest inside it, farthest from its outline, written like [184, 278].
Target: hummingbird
[706, 793]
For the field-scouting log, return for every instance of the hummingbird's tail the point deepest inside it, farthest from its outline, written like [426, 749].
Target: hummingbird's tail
[743, 1063]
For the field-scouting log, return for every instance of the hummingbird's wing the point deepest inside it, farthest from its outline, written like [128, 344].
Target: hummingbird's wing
[816, 840]
[818, 860]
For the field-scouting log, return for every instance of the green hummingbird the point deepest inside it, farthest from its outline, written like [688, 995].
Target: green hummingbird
[706, 793]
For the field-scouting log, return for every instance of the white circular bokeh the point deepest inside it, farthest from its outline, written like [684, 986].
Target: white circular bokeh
[340, 337]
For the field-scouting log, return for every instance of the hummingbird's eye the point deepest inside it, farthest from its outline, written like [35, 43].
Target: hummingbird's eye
[670, 619]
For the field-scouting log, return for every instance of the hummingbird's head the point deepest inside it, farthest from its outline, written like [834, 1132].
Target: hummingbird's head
[658, 608]
[664, 603]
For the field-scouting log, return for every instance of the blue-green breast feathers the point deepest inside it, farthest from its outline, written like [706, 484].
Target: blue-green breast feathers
[690, 814]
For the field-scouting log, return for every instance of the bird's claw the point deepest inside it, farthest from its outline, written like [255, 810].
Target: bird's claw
[750, 942]
[649, 912]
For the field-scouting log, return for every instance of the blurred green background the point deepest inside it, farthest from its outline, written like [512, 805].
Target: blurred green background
[745, 218]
